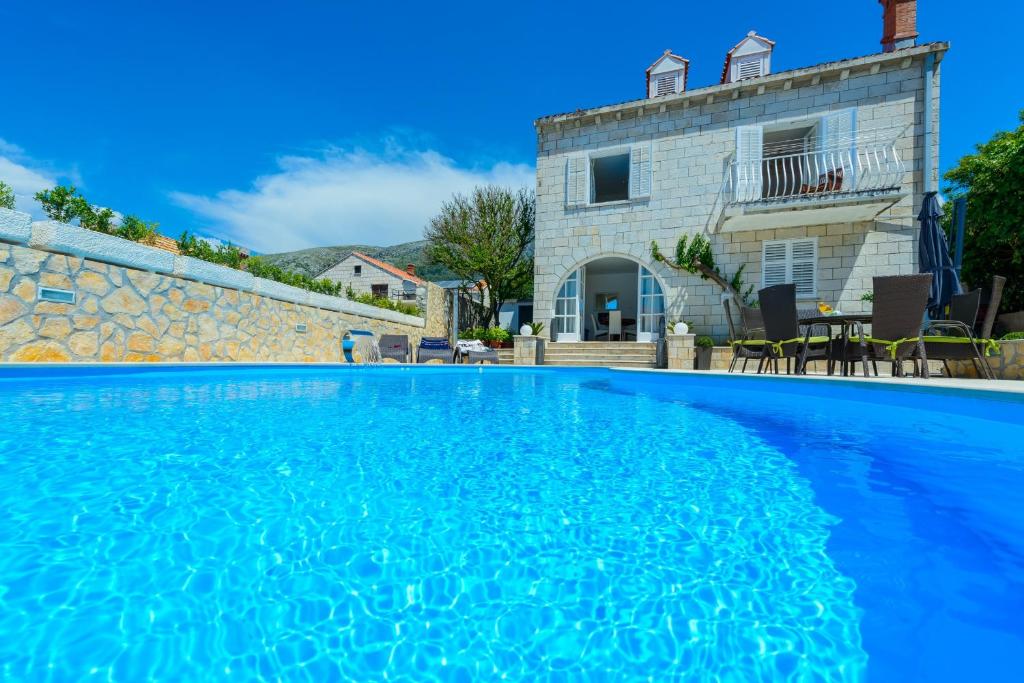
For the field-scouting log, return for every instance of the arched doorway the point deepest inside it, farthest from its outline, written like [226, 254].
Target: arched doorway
[609, 298]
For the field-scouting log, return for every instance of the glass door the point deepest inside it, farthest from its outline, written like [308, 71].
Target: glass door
[651, 307]
[568, 308]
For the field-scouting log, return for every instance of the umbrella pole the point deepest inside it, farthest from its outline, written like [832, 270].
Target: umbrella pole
[959, 218]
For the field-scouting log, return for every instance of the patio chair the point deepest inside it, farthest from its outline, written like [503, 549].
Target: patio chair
[782, 331]
[599, 329]
[747, 340]
[954, 339]
[896, 316]
[395, 347]
[992, 309]
[435, 348]
[480, 356]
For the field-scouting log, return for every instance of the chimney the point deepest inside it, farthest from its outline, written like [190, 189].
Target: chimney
[410, 269]
[899, 24]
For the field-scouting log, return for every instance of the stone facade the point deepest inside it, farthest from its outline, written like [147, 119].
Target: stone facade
[125, 314]
[397, 287]
[692, 137]
[1008, 364]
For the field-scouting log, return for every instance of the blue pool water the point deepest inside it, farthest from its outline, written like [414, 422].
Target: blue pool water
[461, 525]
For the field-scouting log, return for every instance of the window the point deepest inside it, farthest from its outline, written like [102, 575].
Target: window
[614, 175]
[749, 68]
[666, 84]
[379, 291]
[357, 270]
[610, 177]
[791, 261]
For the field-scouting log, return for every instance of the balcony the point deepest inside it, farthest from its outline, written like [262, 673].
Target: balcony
[801, 182]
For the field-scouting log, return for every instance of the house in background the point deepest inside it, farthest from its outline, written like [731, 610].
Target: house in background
[367, 275]
[808, 176]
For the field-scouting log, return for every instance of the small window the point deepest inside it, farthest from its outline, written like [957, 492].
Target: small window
[666, 84]
[379, 291]
[749, 68]
[791, 261]
[357, 270]
[610, 178]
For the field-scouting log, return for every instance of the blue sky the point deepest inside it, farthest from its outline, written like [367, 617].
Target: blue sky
[285, 125]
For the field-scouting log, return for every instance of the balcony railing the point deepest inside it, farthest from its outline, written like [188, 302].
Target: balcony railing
[855, 166]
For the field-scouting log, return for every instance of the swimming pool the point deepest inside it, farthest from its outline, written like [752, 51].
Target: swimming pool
[415, 524]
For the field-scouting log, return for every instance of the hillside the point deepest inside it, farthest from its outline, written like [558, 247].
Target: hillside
[314, 261]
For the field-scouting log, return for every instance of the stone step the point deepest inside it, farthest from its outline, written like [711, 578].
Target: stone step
[638, 357]
[599, 352]
[604, 363]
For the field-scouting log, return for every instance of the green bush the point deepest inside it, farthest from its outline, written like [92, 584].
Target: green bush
[536, 328]
[6, 196]
[473, 333]
[62, 203]
[135, 229]
[497, 334]
[703, 342]
[1009, 336]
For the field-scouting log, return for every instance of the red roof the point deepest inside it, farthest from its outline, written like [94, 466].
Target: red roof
[394, 270]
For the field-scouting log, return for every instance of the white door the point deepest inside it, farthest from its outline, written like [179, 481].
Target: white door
[569, 308]
[651, 307]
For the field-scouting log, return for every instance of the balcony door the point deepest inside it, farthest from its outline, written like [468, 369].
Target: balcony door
[650, 307]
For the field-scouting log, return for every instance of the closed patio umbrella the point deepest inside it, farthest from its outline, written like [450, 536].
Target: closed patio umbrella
[934, 258]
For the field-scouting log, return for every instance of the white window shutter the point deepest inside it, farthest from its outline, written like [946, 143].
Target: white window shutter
[774, 263]
[577, 177]
[838, 142]
[640, 171]
[747, 173]
[791, 261]
[803, 266]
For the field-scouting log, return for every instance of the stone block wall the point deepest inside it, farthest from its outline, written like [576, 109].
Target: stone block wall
[693, 139]
[126, 314]
[1008, 364]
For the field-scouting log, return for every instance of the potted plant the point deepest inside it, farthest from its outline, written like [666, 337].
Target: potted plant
[704, 346]
[496, 337]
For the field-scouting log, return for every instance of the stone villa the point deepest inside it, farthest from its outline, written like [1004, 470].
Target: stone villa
[367, 275]
[810, 176]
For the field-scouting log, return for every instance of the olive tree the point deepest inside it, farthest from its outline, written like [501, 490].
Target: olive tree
[487, 236]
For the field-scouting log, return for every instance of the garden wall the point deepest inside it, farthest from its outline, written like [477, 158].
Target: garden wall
[1007, 364]
[137, 303]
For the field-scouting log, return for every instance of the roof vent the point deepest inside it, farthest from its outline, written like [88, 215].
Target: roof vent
[749, 58]
[667, 76]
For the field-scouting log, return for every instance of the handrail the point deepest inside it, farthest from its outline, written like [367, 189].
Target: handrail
[859, 166]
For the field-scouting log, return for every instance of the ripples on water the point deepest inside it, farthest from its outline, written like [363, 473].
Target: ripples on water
[399, 525]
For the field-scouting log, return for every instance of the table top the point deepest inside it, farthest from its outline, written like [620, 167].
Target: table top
[838, 319]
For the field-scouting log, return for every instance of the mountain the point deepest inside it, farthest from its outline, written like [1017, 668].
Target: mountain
[314, 261]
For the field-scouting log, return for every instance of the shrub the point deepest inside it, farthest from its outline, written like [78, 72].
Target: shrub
[6, 196]
[98, 219]
[703, 342]
[472, 333]
[497, 334]
[135, 229]
[62, 203]
[536, 328]
[1009, 336]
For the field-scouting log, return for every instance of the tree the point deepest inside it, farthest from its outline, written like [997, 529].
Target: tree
[992, 179]
[137, 230]
[6, 196]
[487, 236]
[62, 204]
[96, 218]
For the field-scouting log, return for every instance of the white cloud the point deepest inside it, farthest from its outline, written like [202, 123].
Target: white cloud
[344, 197]
[25, 175]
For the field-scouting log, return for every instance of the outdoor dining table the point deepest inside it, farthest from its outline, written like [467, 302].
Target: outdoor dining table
[845, 322]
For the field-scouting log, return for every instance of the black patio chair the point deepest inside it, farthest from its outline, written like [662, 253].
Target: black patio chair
[782, 330]
[897, 312]
[747, 340]
[954, 340]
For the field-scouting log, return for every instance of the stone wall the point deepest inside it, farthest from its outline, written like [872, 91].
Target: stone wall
[128, 314]
[1008, 364]
[693, 138]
